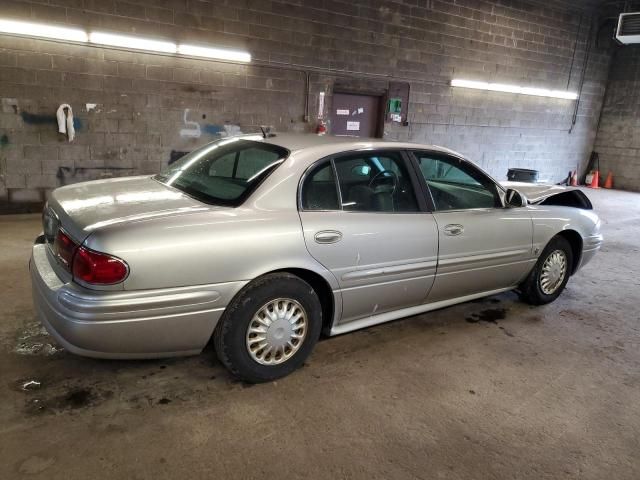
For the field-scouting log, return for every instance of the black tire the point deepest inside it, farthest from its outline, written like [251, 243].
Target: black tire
[230, 335]
[531, 290]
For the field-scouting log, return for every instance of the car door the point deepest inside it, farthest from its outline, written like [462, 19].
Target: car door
[483, 245]
[363, 221]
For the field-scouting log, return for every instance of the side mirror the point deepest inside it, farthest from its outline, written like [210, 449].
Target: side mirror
[514, 199]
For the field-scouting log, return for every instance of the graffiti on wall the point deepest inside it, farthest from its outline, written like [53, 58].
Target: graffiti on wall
[39, 119]
[75, 174]
[9, 105]
[193, 129]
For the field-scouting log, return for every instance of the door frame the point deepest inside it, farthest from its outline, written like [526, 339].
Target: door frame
[425, 205]
[439, 215]
[421, 189]
[411, 153]
[362, 277]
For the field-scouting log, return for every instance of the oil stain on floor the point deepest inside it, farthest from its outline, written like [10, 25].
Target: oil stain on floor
[73, 398]
[490, 315]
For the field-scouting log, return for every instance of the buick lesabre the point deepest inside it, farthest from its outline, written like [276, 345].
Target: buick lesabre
[263, 243]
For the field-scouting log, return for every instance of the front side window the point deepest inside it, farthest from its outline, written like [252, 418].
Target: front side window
[456, 185]
[224, 172]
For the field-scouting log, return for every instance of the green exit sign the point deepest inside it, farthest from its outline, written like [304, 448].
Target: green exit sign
[395, 105]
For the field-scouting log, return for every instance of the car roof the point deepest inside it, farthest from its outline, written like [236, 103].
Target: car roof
[331, 144]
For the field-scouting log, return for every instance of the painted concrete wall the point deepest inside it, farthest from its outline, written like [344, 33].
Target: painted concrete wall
[133, 110]
[618, 141]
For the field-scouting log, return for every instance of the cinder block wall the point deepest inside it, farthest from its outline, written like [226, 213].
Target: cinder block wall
[618, 140]
[148, 106]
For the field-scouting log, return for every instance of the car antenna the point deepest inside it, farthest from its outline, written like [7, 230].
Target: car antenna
[266, 132]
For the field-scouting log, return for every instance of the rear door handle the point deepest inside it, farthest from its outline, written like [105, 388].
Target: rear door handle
[328, 236]
[453, 230]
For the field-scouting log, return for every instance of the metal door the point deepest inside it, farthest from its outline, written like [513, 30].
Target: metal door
[355, 115]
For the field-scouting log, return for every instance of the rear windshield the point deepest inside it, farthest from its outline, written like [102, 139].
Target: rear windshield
[224, 172]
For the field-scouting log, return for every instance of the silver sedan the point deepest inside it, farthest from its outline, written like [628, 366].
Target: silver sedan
[263, 243]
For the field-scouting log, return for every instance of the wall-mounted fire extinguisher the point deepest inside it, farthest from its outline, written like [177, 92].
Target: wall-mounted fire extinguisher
[321, 129]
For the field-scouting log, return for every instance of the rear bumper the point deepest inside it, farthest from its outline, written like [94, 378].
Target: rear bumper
[121, 324]
[590, 247]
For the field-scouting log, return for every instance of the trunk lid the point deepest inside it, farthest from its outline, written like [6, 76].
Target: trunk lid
[82, 208]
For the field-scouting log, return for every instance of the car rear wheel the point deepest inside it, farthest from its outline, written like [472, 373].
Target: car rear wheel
[550, 275]
[269, 328]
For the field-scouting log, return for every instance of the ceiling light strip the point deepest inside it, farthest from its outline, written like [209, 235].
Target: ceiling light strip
[129, 42]
[216, 53]
[40, 30]
[499, 87]
[132, 42]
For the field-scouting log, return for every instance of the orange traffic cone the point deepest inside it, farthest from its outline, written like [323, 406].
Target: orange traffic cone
[574, 179]
[608, 183]
[595, 180]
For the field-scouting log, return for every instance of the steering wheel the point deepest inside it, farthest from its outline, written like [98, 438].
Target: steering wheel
[391, 174]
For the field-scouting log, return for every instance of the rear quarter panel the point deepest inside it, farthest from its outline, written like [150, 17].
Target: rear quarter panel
[207, 248]
[219, 244]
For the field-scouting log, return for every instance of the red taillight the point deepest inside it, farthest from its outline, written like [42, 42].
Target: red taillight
[64, 249]
[87, 265]
[98, 268]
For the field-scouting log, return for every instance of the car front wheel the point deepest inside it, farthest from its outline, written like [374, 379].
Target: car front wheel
[550, 275]
[269, 328]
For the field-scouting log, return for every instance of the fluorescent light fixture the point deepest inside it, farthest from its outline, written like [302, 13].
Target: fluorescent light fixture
[43, 31]
[499, 87]
[130, 42]
[217, 53]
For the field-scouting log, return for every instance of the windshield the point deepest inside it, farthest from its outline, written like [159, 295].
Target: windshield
[224, 172]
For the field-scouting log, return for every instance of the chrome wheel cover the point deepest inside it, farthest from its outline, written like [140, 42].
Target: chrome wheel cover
[276, 331]
[554, 269]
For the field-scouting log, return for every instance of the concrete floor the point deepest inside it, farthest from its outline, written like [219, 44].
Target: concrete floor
[547, 392]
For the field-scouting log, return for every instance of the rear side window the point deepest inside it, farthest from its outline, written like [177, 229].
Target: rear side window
[320, 191]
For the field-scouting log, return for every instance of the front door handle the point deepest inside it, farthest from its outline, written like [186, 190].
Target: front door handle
[453, 230]
[328, 236]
